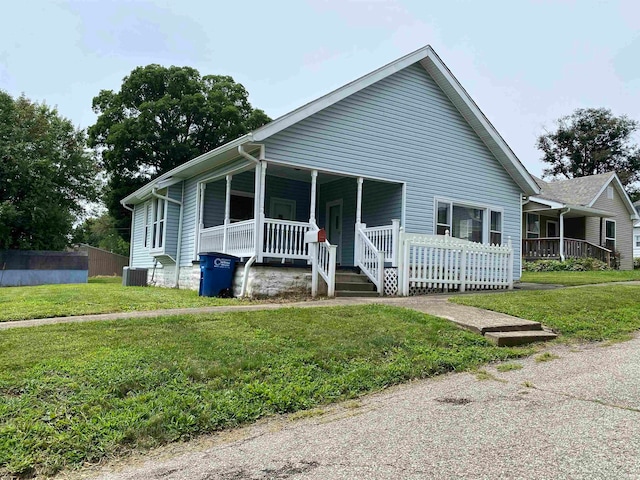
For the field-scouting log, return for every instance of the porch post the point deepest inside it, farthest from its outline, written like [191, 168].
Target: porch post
[561, 235]
[356, 250]
[260, 220]
[395, 238]
[201, 192]
[227, 214]
[256, 208]
[312, 203]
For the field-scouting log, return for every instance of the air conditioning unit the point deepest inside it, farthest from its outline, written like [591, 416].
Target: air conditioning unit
[134, 277]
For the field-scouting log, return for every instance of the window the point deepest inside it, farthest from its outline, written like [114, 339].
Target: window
[495, 232]
[159, 218]
[533, 225]
[147, 214]
[444, 218]
[637, 240]
[552, 229]
[468, 222]
[610, 192]
[610, 235]
[241, 207]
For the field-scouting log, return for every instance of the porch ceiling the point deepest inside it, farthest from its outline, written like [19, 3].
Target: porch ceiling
[574, 212]
[299, 174]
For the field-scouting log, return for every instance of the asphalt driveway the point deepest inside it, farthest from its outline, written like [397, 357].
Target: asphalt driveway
[577, 416]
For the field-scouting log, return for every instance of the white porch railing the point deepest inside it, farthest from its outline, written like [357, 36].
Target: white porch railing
[443, 263]
[370, 259]
[324, 264]
[385, 239]
[285, 239]
[233, 238]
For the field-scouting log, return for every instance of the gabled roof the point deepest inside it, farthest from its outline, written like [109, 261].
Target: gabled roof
[428, 58]
[581, 191]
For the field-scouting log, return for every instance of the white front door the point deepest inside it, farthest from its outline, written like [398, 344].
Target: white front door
[282, 208]
[334, 226]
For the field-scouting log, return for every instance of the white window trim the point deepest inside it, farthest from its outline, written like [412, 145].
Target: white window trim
[526, 225]
[486, 222]
[146, 226]
[610, 192]
[615, 232]
[636, 239]
[556, 223]
[156, 234]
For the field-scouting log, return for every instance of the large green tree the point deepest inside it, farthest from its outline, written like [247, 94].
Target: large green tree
[47, 175]
[160, 118]
[592, 141]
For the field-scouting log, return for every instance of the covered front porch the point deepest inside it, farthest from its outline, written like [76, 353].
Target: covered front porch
[564, 232]
[361, 217]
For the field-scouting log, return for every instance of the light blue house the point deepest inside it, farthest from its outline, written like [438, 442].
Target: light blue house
[403, 148]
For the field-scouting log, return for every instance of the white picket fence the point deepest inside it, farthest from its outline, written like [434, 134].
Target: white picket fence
[435, 262]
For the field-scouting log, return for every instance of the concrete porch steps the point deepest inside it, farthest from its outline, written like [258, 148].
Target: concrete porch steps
[353, 284]
[508, 339]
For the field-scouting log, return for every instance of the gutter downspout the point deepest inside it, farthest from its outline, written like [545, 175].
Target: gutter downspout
[179, 246]
[258, 226]
[562, 214]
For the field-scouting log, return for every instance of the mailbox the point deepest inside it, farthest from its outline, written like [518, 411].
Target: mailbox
[315, 236]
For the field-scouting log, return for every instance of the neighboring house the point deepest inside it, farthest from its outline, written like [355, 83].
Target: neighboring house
[582, 217]
[636, 233]
[404, 146]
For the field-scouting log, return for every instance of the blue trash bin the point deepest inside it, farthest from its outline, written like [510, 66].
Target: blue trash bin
[216, 274]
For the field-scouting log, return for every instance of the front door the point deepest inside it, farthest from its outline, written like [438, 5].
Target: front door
[552, 229]
[334, 226]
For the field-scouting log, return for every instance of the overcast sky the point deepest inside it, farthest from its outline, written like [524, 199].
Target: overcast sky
[525, 63]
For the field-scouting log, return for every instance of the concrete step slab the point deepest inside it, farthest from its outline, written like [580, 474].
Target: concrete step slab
[355, 286]
[352, 278]
[352, 293]
[508, 339]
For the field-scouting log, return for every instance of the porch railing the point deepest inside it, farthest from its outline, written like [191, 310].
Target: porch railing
[549, 248]
[233, 238]
[370, 259]
[385, 239]
[325, 263]
[285, 239]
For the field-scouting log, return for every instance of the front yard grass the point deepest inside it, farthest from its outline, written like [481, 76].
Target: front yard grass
[600, 313]
[100, 295]
[76, 393]
[580, 278]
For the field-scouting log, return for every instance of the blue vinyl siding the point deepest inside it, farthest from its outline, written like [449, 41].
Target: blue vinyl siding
[140, 254]
[347, 190]
[405, 129]
[289, 189]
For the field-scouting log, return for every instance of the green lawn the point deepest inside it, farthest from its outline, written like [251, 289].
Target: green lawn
[584, 314]
[77, 393]
[100, 295]
[581, 278]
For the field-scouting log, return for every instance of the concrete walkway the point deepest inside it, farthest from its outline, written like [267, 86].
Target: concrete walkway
[480, 321]
[577, 416]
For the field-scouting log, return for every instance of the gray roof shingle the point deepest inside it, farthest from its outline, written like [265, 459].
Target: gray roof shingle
[575, 191]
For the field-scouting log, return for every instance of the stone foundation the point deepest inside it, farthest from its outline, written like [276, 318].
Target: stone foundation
[263, 280]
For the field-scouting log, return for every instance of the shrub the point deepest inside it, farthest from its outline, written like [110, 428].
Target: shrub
[636, 263]
[570, 265]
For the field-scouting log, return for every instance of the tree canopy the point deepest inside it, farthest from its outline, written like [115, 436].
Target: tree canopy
[160, 118]
[591, 141]
[47, 175]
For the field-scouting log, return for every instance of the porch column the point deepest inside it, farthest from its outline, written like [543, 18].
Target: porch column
[356, 250]
[260, 219]
[312, 203]
[561, 235]
[201, 192]
[256, 208]
[227, 214]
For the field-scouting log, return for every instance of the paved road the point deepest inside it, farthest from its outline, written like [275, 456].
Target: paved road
[577, 416]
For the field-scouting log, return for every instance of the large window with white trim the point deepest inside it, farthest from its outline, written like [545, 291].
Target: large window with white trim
[532, 225]
[468, 222]
[158, 224]
[610, 235]
[637, 241]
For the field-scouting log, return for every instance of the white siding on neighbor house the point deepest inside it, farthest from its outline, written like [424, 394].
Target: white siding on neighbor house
[405, 129]
[624, 227]
[636, 242]
[140, 253]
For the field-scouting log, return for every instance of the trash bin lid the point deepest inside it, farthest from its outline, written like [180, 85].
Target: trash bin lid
[219, 255]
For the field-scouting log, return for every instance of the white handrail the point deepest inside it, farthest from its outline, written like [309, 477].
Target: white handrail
[285, 239]
[385, 238]
[370, 260]
[325, 260]
[233, 238]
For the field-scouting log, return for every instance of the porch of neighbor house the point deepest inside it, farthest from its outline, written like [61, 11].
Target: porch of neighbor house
[562, 233]
[361, 218]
